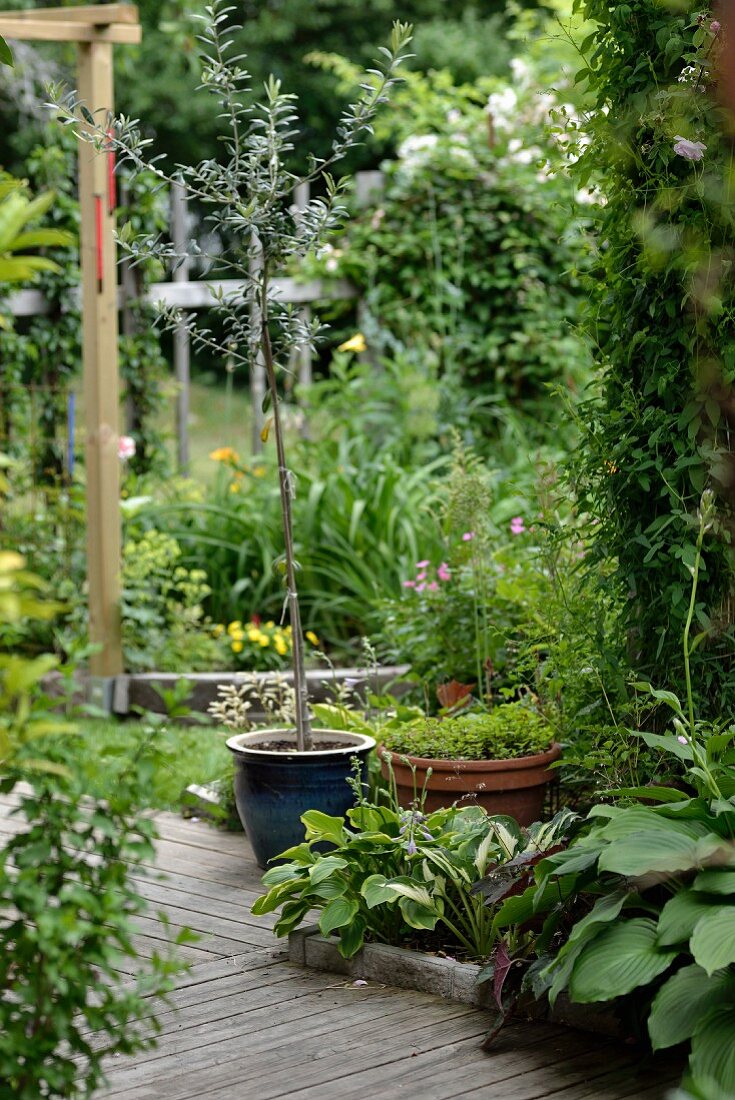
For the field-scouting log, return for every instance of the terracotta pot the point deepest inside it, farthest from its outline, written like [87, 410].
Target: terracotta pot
[513, 787]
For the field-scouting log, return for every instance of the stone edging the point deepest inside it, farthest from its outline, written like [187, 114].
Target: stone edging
[457, 981]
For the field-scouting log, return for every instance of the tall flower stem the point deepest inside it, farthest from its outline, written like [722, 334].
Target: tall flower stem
[304, 739]
[688, 626]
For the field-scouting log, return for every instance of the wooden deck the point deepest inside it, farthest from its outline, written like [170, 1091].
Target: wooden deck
[246, 1022]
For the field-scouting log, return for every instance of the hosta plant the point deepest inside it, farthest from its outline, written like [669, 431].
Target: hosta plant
[395, 875]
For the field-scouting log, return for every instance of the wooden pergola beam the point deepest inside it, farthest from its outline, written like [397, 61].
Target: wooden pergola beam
[98, 15]
[67, 31]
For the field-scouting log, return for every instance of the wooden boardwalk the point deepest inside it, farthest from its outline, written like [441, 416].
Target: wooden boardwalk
[247, 1023]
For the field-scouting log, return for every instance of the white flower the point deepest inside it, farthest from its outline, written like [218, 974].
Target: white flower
[454, 116]
[417, 146]
[520, 69]
[502, 108]
[690, 150]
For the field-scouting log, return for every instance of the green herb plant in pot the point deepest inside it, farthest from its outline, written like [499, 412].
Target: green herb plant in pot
[248, 196]
[498, 759]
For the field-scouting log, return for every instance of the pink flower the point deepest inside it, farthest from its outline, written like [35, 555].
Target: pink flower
[715, 26]
[468, 536]
[690, 150]
[125, 447]
[420, 587]
[421, 576]
[433, 586]
[423, 564]
[517, 526]
[682, 740]
[443, 572]
[409, 584]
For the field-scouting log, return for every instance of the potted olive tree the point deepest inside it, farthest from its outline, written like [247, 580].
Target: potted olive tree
[247, 193]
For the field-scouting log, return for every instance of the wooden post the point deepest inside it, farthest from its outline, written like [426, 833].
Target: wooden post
[101, 382]
[180, 274]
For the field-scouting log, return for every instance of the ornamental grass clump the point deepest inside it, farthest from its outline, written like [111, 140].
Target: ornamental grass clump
[248, 197]
[507, 732]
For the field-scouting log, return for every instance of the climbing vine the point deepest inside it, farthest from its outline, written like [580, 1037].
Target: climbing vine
[663, 319]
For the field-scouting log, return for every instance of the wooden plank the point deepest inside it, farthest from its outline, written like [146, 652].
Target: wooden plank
[61, 31]
[210, 1056]
[94, 14]
[101, 381]
[549, 1078]
[227, 918]
[201, 834]
[249, 935]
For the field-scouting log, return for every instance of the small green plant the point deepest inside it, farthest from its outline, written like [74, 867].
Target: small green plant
[394, 875]
[508, 731]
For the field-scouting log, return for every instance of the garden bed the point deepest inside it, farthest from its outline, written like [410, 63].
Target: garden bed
[444, 977]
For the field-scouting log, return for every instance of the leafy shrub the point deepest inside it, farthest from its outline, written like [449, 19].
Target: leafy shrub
[472, 252]
[508, 731]
[68, 898]
[70, 904]
[162, 612]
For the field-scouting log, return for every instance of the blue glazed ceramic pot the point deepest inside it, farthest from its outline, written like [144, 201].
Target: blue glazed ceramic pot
[273, 789]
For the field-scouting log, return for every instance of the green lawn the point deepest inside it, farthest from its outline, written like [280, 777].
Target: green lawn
[183, 755]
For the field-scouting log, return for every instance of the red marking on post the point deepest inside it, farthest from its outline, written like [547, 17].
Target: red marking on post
[111, 180]
[98, 242]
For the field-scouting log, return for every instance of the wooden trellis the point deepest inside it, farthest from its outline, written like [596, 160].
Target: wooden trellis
[96, 29]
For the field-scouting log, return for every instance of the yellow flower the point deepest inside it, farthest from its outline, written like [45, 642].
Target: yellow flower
[237, 647]
[234, 627]
[311, 637]
[264, 640]
[355, 343]
[271, 625]
[224, 454]
[235, 487]
[237, 635]
[281, 647]
[218, 630]
[253, 635]
[259, 471]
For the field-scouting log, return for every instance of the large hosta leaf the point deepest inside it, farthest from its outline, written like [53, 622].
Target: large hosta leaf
[713, 1051]
[713, 940]
[663, 850]
[375, 891]
[419, 916]
[326, 867]
[678, 1006]
[605, 910]
[337, 914]
[680, 914]
[715, 880]
[619, 960]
